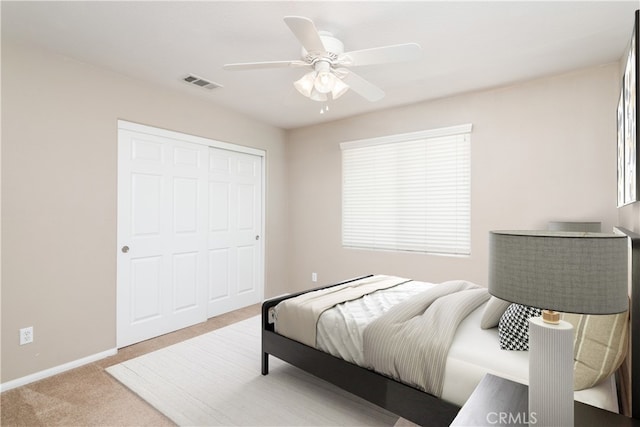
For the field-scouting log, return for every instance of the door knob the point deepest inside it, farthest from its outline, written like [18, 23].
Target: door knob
[125, 249]
[257, 237]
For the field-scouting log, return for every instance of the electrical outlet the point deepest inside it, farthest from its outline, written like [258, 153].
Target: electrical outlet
[26, 335]
[314, 277]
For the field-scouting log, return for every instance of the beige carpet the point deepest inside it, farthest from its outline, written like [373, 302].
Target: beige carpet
[215, 379]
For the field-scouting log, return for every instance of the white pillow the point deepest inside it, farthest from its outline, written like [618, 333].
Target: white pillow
[493, 312]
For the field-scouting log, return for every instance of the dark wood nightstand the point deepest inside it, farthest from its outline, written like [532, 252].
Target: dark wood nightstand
[501, 402]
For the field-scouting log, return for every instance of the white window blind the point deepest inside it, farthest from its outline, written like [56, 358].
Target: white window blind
[408, 192]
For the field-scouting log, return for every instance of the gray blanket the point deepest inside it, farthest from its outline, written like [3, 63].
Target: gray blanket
[410, 342]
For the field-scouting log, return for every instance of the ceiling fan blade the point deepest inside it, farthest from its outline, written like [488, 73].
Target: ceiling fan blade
[305, 31]
[362, 87]
[381, 55]
[269, 64]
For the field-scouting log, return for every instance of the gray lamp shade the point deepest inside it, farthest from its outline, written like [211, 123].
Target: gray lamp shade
[573, 272]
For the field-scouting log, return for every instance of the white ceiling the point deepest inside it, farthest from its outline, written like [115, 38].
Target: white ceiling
[466, 46]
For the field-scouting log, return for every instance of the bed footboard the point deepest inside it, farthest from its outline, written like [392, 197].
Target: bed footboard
[405, 401]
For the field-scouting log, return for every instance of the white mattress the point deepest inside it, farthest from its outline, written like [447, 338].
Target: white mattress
[474, 351]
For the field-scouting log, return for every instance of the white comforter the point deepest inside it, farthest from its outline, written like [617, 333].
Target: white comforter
[339, 330]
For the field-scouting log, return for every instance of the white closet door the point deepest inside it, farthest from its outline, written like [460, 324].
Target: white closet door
[162, 235]
[235, 231]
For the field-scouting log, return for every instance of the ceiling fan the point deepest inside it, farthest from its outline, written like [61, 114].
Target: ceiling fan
[330, 74]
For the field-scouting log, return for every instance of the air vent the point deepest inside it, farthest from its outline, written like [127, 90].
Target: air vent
[199, 81]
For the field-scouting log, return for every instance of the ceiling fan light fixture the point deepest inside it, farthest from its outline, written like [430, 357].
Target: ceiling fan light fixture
[339, 88]
[324, 82]
[319, 83]
[306, 83]
[318, 96]
[325, 79]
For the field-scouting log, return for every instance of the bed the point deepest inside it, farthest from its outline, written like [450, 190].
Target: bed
[472, 353]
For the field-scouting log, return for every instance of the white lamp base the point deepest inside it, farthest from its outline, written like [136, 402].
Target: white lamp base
[550, 373]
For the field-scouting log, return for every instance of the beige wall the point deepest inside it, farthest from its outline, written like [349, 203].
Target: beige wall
[629, 217]
[543, 150]
[59, 166]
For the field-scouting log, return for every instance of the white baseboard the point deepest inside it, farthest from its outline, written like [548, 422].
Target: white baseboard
[56, 370]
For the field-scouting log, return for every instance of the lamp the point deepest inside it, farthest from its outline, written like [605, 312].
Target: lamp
[576, 272]
[318, 83]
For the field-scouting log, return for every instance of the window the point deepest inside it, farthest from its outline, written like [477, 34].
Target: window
[408, 192]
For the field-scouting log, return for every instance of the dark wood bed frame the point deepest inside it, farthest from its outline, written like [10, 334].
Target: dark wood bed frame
[410, 403]
[628, 377]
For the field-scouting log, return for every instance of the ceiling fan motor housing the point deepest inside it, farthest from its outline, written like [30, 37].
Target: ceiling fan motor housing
[333, 49]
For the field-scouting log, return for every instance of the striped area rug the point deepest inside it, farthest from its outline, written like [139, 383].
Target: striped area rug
[214, 380]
